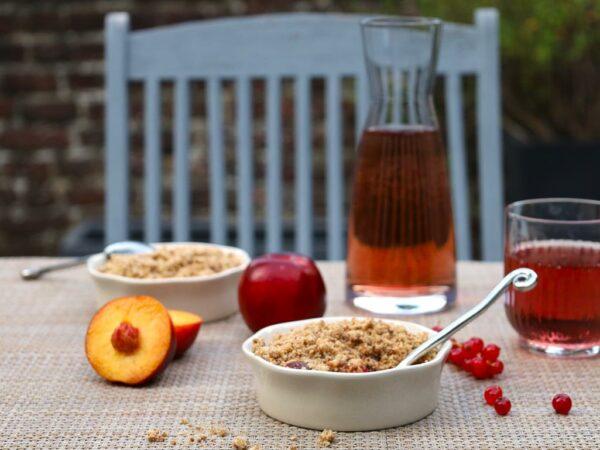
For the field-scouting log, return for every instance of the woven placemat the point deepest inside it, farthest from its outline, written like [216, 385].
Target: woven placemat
[51, 398]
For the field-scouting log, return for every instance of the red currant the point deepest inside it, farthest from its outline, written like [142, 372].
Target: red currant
[473, 346]
[467, 364]
[469, 350]
[479, 368]
[490, 352]
[496, 367]
[478, 342]
[502, 406]
[437, 328]
[562, 403]
[457, 356]
[491, 394]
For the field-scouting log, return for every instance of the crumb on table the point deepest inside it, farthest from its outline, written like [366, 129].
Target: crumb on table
[155, 435]
[219, 431]
[240, 443]
[326, 438]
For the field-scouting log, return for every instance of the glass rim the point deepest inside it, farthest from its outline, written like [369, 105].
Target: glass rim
[399, 21]
[510, 213]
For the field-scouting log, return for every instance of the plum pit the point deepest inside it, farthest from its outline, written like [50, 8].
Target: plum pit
[125, 338]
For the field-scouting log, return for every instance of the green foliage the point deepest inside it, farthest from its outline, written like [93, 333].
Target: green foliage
[541, 31]
[550, 59]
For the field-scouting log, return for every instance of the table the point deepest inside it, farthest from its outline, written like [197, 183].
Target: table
[51, 398]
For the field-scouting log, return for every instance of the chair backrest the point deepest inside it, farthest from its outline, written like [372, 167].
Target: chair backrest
[271, 47]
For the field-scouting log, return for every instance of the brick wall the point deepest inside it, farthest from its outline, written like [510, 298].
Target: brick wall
[51, 107]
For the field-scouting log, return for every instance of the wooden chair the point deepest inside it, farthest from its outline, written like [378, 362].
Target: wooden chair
[269, 47]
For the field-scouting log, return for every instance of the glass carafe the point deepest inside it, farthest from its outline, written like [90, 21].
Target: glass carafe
[401, 256]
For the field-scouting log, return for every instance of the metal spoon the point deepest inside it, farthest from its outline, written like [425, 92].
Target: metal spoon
[121, 248]
[522, 279]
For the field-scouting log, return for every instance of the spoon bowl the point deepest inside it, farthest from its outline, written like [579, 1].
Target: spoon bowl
[127, 248]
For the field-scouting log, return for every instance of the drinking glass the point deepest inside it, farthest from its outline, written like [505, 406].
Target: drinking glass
[401, 257]
[559, 238]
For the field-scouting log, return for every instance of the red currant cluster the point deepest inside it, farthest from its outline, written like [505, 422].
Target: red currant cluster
[482, 362]
[493, 397]
[478, 359]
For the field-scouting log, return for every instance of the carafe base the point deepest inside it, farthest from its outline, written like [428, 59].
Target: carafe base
[400, 301]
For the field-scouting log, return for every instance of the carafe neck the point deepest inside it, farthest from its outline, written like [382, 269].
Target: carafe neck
[401, 55]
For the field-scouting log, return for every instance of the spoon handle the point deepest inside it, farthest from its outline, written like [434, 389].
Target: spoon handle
[522, 279]
[33, 273]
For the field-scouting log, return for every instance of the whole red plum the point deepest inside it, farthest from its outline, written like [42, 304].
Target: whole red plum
[280, 287]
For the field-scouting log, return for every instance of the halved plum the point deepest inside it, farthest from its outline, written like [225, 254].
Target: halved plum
[130, 340]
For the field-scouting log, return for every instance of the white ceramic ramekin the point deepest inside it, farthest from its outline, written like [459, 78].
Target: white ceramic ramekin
[345, 401]
[212, 296]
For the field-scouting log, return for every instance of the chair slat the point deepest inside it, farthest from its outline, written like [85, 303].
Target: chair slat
[335, 205]
[152, 161]
[181, 175]
[303, 165]
[458, 164]
[361, 103]
[489, 143]
[273, 182]
[411, 78]
[245, 162]
[216, 162]
[397, 89]
[116, 129]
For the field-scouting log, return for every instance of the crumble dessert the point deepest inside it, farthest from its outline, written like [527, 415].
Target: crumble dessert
[354, 345]
[172, 261]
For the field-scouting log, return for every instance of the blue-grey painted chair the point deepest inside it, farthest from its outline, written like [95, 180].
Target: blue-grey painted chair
[270, 47]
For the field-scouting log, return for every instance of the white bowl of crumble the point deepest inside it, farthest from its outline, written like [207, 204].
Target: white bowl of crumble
[340, 373]
[190, 276]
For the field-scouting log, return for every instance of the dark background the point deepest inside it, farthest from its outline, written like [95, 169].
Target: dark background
[51, 104]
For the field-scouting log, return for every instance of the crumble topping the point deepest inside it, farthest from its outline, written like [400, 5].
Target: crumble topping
[172, 261]
[354, 345]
